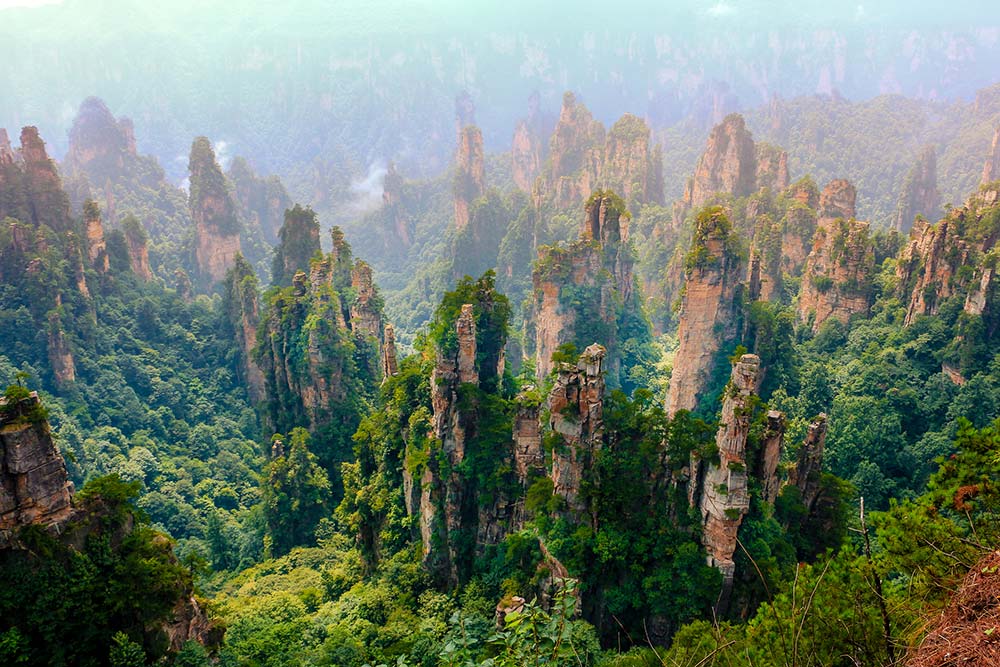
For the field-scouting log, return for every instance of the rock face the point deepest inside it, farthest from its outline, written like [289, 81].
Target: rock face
[798, 226]
[60, 355]
[576, 414]
[389, 366]
[32, 189]
[770, 456]
[724, 499]
[470, 174]
[920, 194]
[99, 144]
[444, 514]
[213, 210]
[93, 228]
[136, 241]
[314, 357]
[366, 311]
[526, 156]
[34, 488]
[261, 201]
[710, 307]
[299, 243]
[837, 278]
[242, 303]
[577, 287]
[991, 169]
[946, 259]
[583, 157]
[772, 167]
[529, 457]
[729, 164]
[399, 221]
[806, 472]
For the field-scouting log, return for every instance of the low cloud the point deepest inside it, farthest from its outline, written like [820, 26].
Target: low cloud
[367, 191]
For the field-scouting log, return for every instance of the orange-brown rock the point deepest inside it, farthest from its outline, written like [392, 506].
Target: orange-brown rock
[765, 271]
[770, 456]
[34, 488]
[42, 188]
[584, 279]
[576, 415]
[389, 365]
[261, 201]
[729, 164]
[242, 304]
[920, 194]
[470, 174]
[991, 168]
[400, 222]
[526, 156]
[583, 157]
[217, 227]
[366, 311]
[97, 252]
[724, 499]
[710, 307]
[6, 152]
[529, 457]
[805, 474]
[136, 241]
[798, 226]
[60, 355]
[946, 259]
[836, 281]
[772, 167]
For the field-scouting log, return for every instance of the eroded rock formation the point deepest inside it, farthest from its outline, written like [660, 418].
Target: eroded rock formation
[34, 488]
[920, 193]
[366, 310]
[242, 304]
[578, 286]
[213, 210]
[470, 174]
[93, 229]
[805, 474]
[31, 186]
[946, 259]
[710, 308]
[583, 157]
[262, 201]
[136, 241]
[770, 456]
[837, 278]
[729, 164]
[576, 414]
[298, 244]
[389, 365]
[60, 355]
[724, 499]
[991, 168]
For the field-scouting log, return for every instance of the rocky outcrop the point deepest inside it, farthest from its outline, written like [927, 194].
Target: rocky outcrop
[729, 164]
[213, 210]
[583, 157]
[31, 186]
[298, 244]
[526, 156]
[798, 225]
[806, 472]
[470, 174]
[241, 301]
[34, 487]
[576, 415]
[60, 355]
[136, 242]
[261, 201]
[529, 457]
[765, 277]
[772, 167]
[93, 229]
[400, 223]
[837, 278]
[99, 144]
[389, 365]
[770, 456]
[710, 307]
[991, 168]
[920, 193]
[946, 259]
[579, 287]
[724, 500]
[6, 152]
[366, 310]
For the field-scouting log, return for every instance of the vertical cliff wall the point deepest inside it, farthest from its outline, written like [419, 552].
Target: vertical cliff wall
[710, 307]
[34, 488]
[576, 415]
[837, 278]
[920, 193]
[213, 210]
[991, 168]
[470, 174]
[724, 499]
